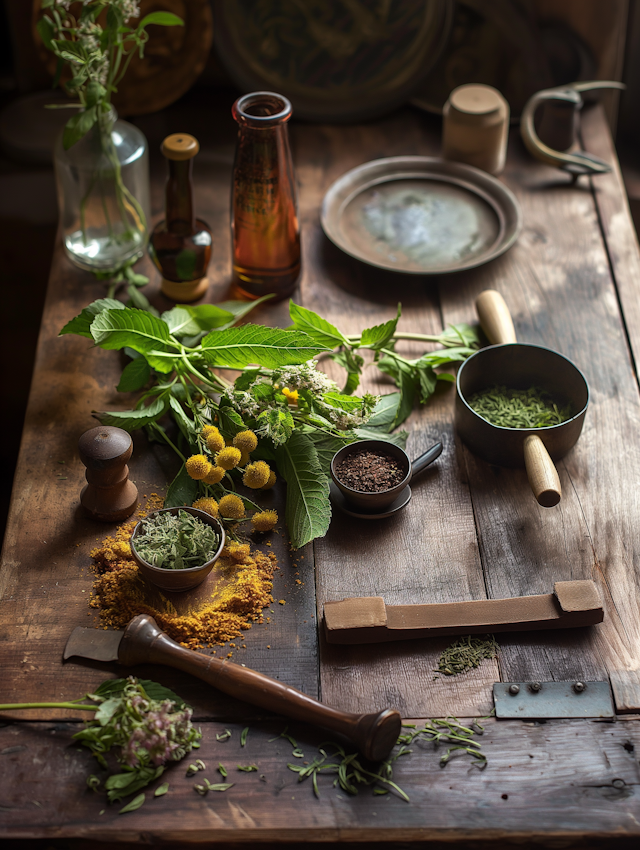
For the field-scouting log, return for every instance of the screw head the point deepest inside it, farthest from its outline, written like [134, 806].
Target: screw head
[618, 783]
[535, 687]
[514, 689]
[579, 687]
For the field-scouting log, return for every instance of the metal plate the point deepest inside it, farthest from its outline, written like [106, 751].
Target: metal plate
[420, 215]
[553, 700]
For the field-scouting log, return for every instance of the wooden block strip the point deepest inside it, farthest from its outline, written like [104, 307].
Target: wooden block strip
[363, 620]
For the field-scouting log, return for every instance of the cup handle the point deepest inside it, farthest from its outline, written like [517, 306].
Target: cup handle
[495, 317]
[421, 463]
[542, 473]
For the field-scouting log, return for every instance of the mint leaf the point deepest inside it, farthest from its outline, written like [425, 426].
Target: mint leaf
[78, 125]
[378, 336]
[81, 324]
[326, 446]
[163, 19]
[323, 332]
[308, 509]
[385, 412]
[367, 433]
[229, 422]
[152, 689]
[185, 320]
[139, 330]
[134, 376]
[183, 490]
[131, 420]
[241, 308]
[236, 348]
[276, 424]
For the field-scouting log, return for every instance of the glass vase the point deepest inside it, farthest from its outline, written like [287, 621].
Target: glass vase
[103, 194]
[265, 230]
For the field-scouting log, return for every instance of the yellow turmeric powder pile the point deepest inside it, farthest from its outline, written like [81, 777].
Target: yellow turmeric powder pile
[228, 602]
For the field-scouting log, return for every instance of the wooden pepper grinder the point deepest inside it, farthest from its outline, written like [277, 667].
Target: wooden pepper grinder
[109, 496]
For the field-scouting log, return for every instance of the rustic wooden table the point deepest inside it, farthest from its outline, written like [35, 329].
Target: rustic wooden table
[472, 531]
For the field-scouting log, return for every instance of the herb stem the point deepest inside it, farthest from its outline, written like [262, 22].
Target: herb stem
[157, 429]
[10, 706]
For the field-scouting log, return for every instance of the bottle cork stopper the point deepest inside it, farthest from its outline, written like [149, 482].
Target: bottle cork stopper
[475, 99]
[180, 146]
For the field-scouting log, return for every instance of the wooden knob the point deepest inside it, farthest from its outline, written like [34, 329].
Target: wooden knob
[542, 473]
[495, 317]
[180, 146]
[109, 495]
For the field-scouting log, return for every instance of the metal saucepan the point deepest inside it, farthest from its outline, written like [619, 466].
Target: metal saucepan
[519, 366]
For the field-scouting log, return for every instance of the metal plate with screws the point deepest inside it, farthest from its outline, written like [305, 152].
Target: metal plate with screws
[553, 699]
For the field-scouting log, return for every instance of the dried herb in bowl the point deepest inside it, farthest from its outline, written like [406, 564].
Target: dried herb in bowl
[507, 408]
[176, 542]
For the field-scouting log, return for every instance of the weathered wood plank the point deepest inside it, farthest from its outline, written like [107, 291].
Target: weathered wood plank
[558, 285]
[429, 552]
[553, 784]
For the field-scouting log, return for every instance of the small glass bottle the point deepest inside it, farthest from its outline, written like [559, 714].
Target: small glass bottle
[103, 194]
[265, 231]
[180, 246]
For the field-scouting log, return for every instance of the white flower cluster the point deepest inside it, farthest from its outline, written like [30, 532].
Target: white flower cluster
[129, 8]
[306, 377]
[345, 421]
[244, 403]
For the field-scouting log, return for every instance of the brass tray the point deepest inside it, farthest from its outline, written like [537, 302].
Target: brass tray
[420, 215]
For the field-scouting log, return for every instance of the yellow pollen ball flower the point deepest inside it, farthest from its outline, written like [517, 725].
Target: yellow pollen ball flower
[240, 552]
[228, 458]
[208, 429]
[270, 482]
[246, 441]
[198, 467]
[245, 457]
[291, 395]
[215, 475]
[264, 521]
[215, 441]
[256, 474]
[231, 506]
[208, 505]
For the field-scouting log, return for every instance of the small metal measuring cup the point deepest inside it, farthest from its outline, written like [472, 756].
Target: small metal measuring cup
[519, 366]
[376, 503]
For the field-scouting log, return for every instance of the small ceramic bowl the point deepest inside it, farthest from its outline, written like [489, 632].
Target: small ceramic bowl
[378, 503]
[177, 580]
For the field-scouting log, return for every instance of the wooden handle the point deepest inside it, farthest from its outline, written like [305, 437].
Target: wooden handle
[143, 642]
[495, 317]
[542, 473]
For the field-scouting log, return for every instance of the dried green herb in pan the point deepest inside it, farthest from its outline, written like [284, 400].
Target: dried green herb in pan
[507, 408]
[176, 542]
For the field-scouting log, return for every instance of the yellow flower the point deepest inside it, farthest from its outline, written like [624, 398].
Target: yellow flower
[264, 521]
[231, 506]
[256, 474]
[198, 467]
[215, 441]
[246, 441]
[208, 429]
[245, 457]
[229, 457]
[215, 475]
[270, 482]
[240, 552]
[206, 504]
[291, 395]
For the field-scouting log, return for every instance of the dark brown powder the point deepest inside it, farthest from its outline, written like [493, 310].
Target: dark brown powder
[369, 472]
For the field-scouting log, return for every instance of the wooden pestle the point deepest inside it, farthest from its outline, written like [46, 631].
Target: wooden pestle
[108, 496]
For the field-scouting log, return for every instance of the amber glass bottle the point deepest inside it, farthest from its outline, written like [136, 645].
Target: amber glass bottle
[265, 231]
[180, 246]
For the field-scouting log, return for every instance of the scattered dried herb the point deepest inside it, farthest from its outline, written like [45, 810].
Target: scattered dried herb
[176, 542]
[243, 736]
[369, 472]
[208, 786]
[161, 790]
[507, 408]
[223, 736]
[467, 653]
[248, 768]
[133, 804]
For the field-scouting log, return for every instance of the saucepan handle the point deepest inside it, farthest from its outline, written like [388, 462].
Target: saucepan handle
[542, 473]
[495, 317]
[421, 463]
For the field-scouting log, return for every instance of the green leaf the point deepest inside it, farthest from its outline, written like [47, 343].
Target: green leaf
[107, 709]
[236, 348]
[163, 19]
[161, 790]
[353, 363]
[82, 324]
[241, 308]
[78, 126]
[276, 424]
[152, 689]
[139, 300]
[134, 376]
[185, 320]
[134, 804]
[378, 336]
[137, 329]
[183, 490]
[427, 380]
[131, 420]
[385, 412]
[94, 93]
[46, 31]
[229, 422]
[321, 331]
[348, 403]
[398, 439]
[308, 510]
[185, 424]
[326, 446]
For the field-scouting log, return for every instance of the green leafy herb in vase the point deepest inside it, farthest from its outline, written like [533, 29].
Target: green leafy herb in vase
[101, 162]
